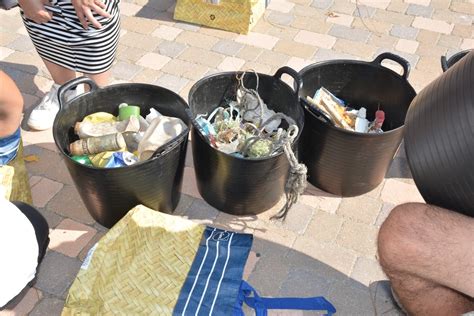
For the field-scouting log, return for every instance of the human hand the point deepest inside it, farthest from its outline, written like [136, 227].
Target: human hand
[84, 10]
[34, 10]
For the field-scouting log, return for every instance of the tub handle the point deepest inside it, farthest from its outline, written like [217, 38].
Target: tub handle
[298, 84]
[71, 85]
[398, 59]
[444, 63]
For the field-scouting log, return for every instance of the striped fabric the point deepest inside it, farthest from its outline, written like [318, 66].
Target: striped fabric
[214, 280]
[9, 147]
[65, 42]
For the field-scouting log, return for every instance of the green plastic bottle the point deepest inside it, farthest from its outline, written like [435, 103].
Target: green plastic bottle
[82, 159]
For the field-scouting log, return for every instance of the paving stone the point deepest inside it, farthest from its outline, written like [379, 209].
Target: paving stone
[355, 48]
[48, 306]
[6, 38]
[463, 31]
[22, 304]
[449, 41]
[283, 33]
[187, 26]
[83, 254]
[263, 26]
[305, 283]
[10, 23]
[453, 17]
[56, 273]
[125, 71]
[297, 220]
[427, 37]
[407, 46]
[201, 56]
[258, 40]
[294, 49]
[280, 19]
[375, 193]
[181, 68]
[393, 17]
[358, 237]
[399, 168]
[320, 200]
[249, 53]
[130, 55]
[166, 32]
[362, 209]
[5, 52]
[190, 185]
[380, 4]
[272, 58]
[298, 63]
[367, 271]
[397, 192]
[153, 60]
[316, 39]
[269, 281]
[411, 58]
[351, 298]
[333, 255]
[364, 11]
[147, 75]
[140, 41]
[386, 209]
[244, 224]
[282, 6]
[383, 40]
[196, 39]
[129, 9]
[341, 19]
[44, 190]
[399, 6]
[343, 6]
[433, 25]
[223, 34]
[313, 24]
[69, 237]
[419, 2]
[227, 47]
[250, 265]
[52, 218]
[327, 54]
[231, 64]
[419, 10]
[324, 227]
[185, 202]
[381, 296]
[201, 212]
[258, 67]
[170, 48]
[345, 32]
[172, 82]
[462, 7]
[467, 43]
[67, 203]
[139, 24]
[406, 32]
[322, 4]
[22, 44]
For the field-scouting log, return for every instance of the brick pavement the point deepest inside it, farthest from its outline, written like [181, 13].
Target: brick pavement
[327, 245]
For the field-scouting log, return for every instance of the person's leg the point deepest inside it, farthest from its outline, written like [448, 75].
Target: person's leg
[428, 254]
[101, 79]
[59, 74]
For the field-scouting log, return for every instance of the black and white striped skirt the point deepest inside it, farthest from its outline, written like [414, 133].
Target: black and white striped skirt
[63, 40]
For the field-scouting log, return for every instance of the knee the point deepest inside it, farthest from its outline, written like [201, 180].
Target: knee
[398, 238]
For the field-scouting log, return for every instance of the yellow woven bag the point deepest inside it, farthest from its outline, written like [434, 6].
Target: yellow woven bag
[232, 15]
[14, 182]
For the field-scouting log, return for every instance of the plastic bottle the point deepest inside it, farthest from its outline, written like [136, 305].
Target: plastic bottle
[87, 129]
[361, 123]
[95, 145]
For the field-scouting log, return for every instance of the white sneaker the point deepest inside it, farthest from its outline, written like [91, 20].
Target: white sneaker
[42, 116]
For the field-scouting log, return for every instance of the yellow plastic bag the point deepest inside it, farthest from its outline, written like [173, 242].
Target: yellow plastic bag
[238, 16]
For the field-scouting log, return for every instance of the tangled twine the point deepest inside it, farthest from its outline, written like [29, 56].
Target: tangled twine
[296, 183]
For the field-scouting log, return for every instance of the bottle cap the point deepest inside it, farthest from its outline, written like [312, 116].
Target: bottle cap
[125, 112]
[362, 112]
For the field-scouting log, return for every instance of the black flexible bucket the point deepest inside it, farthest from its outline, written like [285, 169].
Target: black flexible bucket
[448, 62]
[439, 138]
[109, 193]
[236, 185]
[348, 163]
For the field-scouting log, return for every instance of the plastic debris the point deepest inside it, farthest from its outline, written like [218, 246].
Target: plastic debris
[126, 111]
[162, 130]
[88, 129]
[95, 145]
[152, 115]
[340, 115]
[83, 160]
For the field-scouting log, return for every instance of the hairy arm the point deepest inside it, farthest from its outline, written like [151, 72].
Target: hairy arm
[11, 105]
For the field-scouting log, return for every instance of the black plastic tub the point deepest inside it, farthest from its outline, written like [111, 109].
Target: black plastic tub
[347, 163]
[448, 62]
[110, 193]
[439, 140]
[236, 185]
